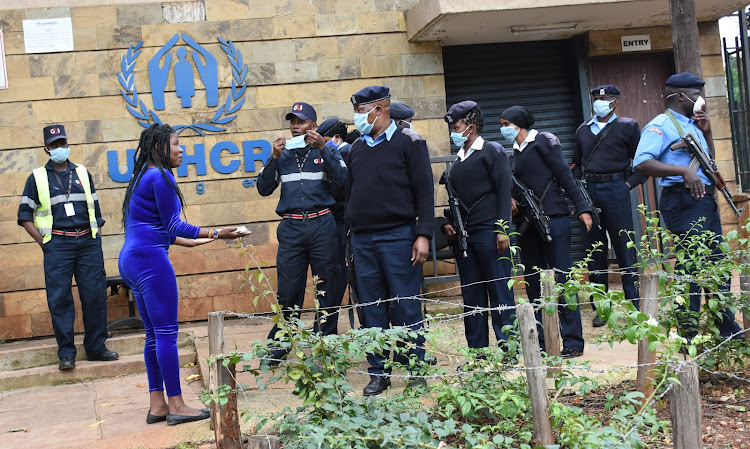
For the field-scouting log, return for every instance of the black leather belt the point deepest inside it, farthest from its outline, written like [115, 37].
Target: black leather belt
[607, 177]
[680, 188]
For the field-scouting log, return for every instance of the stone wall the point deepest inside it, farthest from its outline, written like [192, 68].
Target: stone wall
[296, 50]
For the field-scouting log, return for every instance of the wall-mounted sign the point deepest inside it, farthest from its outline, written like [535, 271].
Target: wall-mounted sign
[3, 69]
[640, 42]
[48, 35]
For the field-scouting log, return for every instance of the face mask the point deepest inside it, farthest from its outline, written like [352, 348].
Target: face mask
[360, 121]
[601, 108]
[510, 133]
[458, 139]
[295, 142]
[59, 154]
[699, 104]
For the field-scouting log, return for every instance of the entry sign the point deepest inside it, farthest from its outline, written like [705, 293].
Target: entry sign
[640, 42]
[3, 70]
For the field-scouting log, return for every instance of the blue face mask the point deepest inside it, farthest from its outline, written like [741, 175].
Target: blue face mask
[459, 139]
[361, 122]
[510, 133]
[295, 142]
[59, 154]
[601, 108]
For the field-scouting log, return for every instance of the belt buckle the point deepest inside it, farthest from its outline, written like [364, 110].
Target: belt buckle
[78, 233]
[305, 215]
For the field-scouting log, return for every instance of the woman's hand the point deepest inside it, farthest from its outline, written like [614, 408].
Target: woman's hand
[232, 232]
[587, 220]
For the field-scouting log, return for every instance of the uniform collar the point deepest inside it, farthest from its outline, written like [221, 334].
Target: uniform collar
[71, 166]
[681, 119]
[594, 119]
[388, 134]
[476, 145]
[530, 138]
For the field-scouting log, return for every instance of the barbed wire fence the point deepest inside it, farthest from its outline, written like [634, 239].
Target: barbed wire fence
[685, 396]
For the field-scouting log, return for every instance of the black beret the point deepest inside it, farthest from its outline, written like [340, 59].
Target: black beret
[370, 94]
[685, 79]
[459, 111]
[400, 111]
[327, 125]
[519, 116]
[606, 90]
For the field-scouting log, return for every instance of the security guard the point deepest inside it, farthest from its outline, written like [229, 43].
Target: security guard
[402, 114]
[333, 131]
[605, 146]
[687, 196]
[390, 209]
[307, 169]
[60, 211]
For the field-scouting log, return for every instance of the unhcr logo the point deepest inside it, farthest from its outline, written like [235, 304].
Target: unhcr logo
[161, 67]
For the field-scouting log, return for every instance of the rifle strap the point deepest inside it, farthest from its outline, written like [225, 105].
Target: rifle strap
[602, 134]
[677, 125]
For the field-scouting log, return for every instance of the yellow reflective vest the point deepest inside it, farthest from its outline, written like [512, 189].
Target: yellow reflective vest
[43, 212]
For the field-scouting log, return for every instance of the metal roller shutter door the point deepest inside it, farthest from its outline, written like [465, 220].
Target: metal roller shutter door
[543, 76]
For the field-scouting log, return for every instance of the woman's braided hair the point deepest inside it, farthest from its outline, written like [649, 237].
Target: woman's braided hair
[153, 150]
[475, 117]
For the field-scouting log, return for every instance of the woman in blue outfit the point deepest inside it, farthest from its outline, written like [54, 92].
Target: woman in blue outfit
[151, 214]
[539, 164]
[480, 178]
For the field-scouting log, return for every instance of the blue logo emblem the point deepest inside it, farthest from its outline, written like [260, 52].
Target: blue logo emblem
[160, 68]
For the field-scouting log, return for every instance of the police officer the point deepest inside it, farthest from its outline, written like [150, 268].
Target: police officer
[60, 211]
[687, 196]
[481, 179]
[539, 164]
[307, 169]
[402, 114]
[605, 146]
[390, 209]
[333, 131]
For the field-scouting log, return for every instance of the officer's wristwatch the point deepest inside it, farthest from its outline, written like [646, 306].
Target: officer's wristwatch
[215, 235]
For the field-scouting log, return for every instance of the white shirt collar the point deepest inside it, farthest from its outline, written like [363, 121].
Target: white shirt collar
[477, 145]
[530, 138]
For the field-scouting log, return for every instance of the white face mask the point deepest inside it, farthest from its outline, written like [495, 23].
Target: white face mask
[295, 142]
[699, 105]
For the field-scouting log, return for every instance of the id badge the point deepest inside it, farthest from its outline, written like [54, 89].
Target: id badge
[69, 210]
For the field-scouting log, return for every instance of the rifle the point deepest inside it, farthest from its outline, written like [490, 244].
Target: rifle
[532, 211]
[699, 159]
[351, 276]
[594, 210]
[455, 210]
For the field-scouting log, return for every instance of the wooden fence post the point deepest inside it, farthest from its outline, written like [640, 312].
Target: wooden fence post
[685, 409]
[536, 375]
[224, 418]
[644, 381]
[745, 288]
[551, 323]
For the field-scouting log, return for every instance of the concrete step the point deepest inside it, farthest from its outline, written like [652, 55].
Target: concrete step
[50, 375]
[26, 354]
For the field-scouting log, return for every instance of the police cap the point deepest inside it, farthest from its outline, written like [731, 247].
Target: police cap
[303, 111]
[370, 94]
[607, 90]
[459, 111]
[327, 126]
[400, 111]
[54, 132]
[686, 80]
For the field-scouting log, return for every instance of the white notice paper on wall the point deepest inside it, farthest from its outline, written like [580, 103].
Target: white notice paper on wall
[640, 42]
[3, 69]
[48, 35]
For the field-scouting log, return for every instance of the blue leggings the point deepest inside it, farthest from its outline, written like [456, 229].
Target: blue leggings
[150, 275]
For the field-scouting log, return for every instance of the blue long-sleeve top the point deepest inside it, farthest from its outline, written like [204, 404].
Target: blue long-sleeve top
[305, 189]
[154, 213]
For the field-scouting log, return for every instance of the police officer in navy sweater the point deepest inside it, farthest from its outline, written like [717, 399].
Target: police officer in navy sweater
[60, 211]
[539, 164]
[306, 169]
[605, 146]
[481, 179]
[390, 209]
[402, 114]
[687, 200]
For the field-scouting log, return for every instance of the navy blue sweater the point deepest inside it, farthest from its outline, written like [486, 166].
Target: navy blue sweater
[390, 184]
[308, 190]
[484, 172]
[541, 161]
[614, 154]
